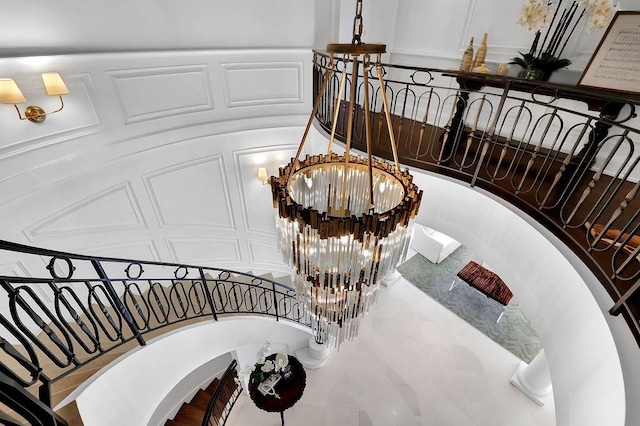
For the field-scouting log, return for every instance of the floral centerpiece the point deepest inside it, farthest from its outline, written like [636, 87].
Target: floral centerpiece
[263, 368]
[544, 56]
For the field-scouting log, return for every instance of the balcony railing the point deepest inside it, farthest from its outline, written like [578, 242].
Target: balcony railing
[565, 155]
[84, 307]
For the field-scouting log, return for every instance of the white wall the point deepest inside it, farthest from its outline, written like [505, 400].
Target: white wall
[76, 26]
[586, 371]
[184, 391]
[154, 157]
[435, 33]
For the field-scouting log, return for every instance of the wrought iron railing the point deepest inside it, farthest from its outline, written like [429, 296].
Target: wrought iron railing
[224, 398]
[565, 155]
[85, 307]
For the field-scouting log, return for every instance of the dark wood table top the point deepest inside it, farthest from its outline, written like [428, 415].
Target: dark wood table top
[290, 390]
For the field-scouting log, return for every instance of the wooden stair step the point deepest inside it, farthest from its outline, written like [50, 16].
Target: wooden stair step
[212, 386]
[189, 414]
[71, 414]
[201, 399]
[178, 423]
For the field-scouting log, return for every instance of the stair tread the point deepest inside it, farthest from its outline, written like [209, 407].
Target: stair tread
[179, 423]
[201, 399]
[212, 386]
[189, 413]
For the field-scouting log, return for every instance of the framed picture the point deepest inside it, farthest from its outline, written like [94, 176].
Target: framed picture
[615, 65]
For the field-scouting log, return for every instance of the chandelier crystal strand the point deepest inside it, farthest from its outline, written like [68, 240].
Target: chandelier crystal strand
[343, 221]
[337, 275]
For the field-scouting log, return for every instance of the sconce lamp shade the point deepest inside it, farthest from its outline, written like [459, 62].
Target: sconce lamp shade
[9, 92]
[53, 84]
[263, 176]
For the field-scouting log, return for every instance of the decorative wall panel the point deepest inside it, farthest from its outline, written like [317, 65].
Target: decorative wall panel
[219, 251]
[114, 209]
[138, 250]
[262, 83]
[192, 194]
[152, 93]
[265, 252]
[256, 198]
[14, 269]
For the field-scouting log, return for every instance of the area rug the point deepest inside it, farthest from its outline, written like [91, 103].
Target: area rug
[514, 331]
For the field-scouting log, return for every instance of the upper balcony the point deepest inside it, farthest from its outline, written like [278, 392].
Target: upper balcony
[565, 156]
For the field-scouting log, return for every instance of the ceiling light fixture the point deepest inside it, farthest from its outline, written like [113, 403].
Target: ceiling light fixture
[340, 238]
[10, 94]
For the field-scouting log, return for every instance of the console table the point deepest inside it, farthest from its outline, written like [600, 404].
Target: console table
[289, 390]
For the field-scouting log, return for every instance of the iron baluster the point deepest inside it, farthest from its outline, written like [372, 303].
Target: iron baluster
[28, 406]
[491, 131]
[208, 294]
[275, 301]
[117, 302]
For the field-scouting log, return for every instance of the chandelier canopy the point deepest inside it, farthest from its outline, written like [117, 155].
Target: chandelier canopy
[344, 221]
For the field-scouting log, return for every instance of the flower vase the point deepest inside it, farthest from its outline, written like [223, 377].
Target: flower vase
[533, 74]
[536, 73]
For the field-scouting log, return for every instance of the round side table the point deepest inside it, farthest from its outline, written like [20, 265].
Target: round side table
[290, 390]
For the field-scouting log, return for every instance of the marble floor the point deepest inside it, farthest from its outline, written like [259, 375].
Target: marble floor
[415, 363]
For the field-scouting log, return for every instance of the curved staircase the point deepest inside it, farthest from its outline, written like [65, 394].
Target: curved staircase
[83, 323]
[193, 413]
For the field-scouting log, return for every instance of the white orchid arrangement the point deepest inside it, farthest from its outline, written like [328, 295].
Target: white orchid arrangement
[266, 366]
[545, 54]
[598, 12]
[534, 15]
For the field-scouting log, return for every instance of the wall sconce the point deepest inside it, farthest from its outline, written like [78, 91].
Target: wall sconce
[11, 94]
[263, 176]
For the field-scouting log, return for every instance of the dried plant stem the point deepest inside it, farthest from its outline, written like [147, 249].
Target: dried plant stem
[562, 26]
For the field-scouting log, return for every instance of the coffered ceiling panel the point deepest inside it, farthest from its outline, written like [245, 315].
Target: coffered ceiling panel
[114, 209]
[151, 93]
[192, 194]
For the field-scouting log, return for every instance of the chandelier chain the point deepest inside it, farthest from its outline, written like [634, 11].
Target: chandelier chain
[357, 24]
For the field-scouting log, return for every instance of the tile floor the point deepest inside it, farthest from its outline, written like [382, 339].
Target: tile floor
[415, 363]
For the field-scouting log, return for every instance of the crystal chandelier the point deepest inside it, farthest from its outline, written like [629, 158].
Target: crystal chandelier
[344, 221]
